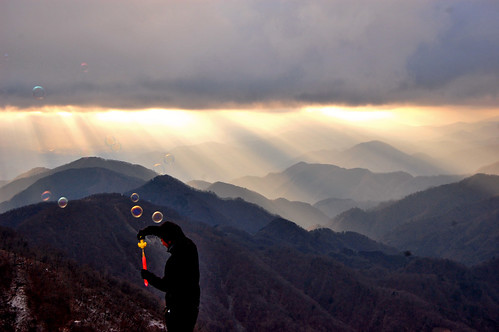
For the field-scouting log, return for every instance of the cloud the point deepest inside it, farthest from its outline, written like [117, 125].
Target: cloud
[211, 54]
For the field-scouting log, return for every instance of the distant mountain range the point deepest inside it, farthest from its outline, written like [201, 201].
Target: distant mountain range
[377, 156]
[250, 211]
[280, 278]
[301, 213]
[456, 221]
[259, 271]
[311, 183]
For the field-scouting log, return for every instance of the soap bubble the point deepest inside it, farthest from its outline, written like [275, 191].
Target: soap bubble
[110, 140]
[38, 92]
[46, 195]
[168, 159]
[62, 202]
[134, 197]
[136, 211]
[113, 143]
[84, 67]
[158, 168]
[157, 217]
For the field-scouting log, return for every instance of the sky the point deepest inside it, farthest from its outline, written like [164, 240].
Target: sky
[74, 73]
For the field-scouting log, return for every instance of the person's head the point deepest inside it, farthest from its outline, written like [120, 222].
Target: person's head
[169, 233]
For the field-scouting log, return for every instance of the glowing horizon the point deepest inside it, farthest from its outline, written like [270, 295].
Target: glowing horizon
[74, 131]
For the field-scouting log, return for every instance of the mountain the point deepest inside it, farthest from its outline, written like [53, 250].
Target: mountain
[376, 156]
[334, 206]
[27, 179]
[303, 214]
[44, 291]
[282, 278]
[467, 233]
[204, 206]
[311, 183]
[320, 241]
[446, 216]
[32, 172]
[94, 230]
[73, 183]
[490, 169]
[199, 184]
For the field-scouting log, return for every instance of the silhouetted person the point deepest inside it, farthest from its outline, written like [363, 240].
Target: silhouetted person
[181, 279]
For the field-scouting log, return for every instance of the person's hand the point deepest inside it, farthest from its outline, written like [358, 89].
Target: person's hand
[141, 234]
[146, 274]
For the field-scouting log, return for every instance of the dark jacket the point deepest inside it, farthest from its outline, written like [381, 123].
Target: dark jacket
[181, 279]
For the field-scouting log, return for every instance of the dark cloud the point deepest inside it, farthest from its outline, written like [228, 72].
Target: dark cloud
[468, 48]
[209, 54]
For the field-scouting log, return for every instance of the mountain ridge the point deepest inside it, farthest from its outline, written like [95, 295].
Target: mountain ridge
[311, 183]
[25, 180]
[431, 204]
[302, 213]
[72, 183]
[377, 156]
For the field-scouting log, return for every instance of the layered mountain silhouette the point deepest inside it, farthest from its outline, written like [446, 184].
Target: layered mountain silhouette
[467, 233]
[281, 278]
[72, 183]
[27, 179]
[204, 206]
[376, 156]
[334, 206]
[301, 213]
[311, 183]
[456, 221]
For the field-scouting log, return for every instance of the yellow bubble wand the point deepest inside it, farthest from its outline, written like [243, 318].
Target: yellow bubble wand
[142, 244]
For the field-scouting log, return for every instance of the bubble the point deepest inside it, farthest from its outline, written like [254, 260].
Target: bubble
[110, 140]
[84, 67]
[62, 202]
[134, 197]
[158, 168]
[38, 92]
[168, 159]
[136, 211]
[113, 143]
[157, 217]
[46, 195]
